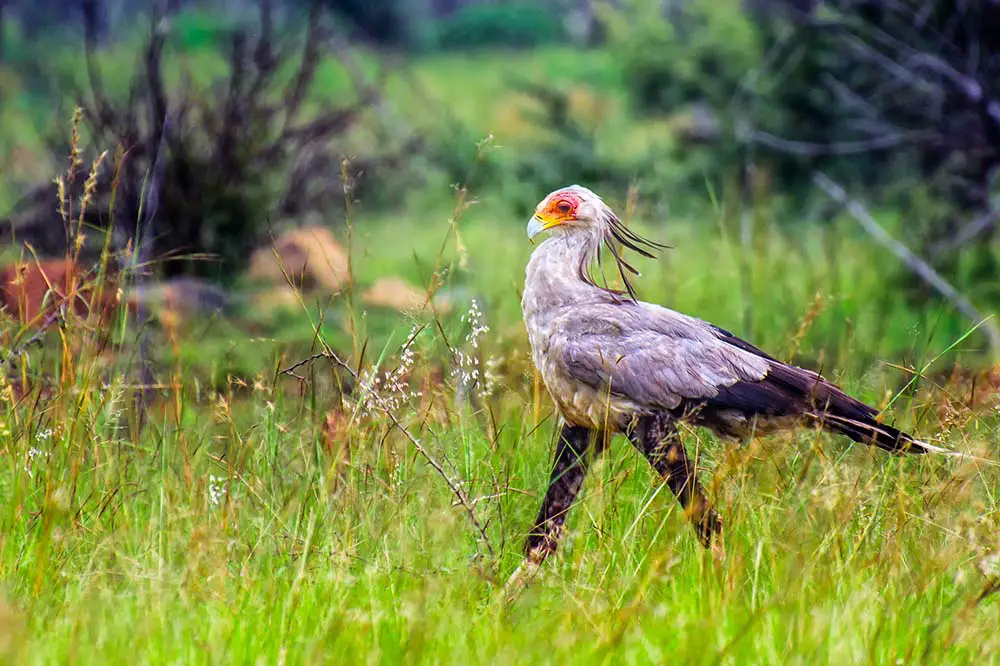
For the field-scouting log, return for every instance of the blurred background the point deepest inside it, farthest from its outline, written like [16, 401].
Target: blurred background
[824, 170]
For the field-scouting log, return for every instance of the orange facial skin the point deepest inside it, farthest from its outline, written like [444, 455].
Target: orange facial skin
[559, 208]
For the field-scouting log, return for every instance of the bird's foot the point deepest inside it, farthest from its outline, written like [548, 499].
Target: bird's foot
[718, 550]
[522, 576]
[709, 527]
[710, 534]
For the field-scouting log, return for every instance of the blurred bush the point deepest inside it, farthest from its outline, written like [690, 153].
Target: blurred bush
[685, 64]
[873, 94]
[218, 164]
[565, 150]
[385, 22]
[900, 106]
[197, 30]
[519, 24]
[679, 53]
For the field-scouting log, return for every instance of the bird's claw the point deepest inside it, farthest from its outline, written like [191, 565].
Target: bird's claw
[520, 578]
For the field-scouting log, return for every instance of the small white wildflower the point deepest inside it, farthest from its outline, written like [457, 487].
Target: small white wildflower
[216, 489]
[45, 434]
[34, 453]
[391, 390]
[990, 565]
[468, 367]
[477, 327]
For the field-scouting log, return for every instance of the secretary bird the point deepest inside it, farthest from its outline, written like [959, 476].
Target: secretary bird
[615, 364]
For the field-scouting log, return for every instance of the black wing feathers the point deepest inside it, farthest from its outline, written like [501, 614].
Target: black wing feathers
[729, 338]
[791, 391]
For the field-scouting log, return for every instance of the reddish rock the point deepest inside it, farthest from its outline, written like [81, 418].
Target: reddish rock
[397, 294]
[311, 257]
[30, 290]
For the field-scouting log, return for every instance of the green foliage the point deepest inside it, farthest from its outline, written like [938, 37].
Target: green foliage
[565, 152]
[464, 157]
[686, 63]
[254, 500]
[388, 22]
[240, 508]
[700, 52]
[197, 30]
[516, 24]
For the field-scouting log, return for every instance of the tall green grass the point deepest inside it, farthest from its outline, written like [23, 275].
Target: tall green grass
[270, 522]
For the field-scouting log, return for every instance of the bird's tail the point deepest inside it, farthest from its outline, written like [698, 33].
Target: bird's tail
[867, 430]
[790, 391]
[847, 416]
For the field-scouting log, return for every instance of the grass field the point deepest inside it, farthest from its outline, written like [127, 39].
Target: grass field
[236, 531]
[264, 520]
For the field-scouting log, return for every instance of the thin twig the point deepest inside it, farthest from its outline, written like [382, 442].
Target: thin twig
[455, 486]
[811, 148]
[35, 338]
[991, 588]
[979, 225]
[143, 245]
[912, 261]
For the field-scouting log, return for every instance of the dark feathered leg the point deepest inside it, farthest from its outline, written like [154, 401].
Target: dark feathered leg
[657, 438]
[568, 472]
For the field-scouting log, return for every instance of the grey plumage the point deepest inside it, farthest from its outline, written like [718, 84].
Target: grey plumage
[616, 364]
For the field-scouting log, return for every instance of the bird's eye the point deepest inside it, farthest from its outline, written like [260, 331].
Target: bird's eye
[564, 207]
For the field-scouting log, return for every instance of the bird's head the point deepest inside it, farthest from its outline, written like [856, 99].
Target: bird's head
[567, 209]
[577, 210]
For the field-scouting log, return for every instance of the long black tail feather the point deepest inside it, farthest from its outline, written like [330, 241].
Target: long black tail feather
[844, 419]
[792, 391]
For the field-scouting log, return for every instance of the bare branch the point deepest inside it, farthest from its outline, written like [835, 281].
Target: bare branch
[866, 51]
[3, 4]
[812, 149]
[981, 224]
[461, 497]
[848, 97]
[967, 84]
[912, 261]
[154, 74]
[91, 12]
[307, 67]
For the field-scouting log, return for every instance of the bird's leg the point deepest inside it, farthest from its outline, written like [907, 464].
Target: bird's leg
[568, 472]
[657, 438]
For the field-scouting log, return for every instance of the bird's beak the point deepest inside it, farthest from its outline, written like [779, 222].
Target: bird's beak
[537, 224]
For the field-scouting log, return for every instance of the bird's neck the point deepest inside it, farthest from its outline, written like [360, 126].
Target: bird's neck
[555, 273]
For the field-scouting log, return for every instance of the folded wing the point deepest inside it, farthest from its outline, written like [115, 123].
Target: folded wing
[662, 360]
